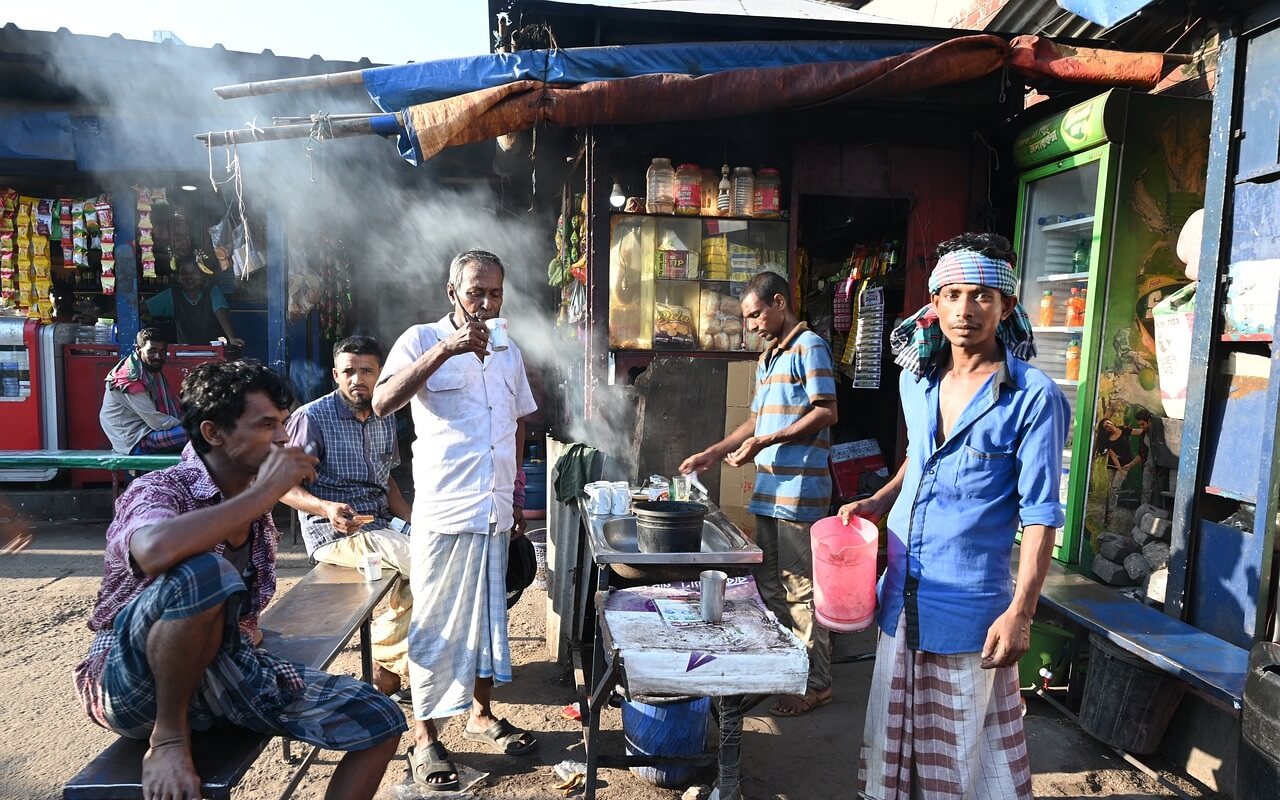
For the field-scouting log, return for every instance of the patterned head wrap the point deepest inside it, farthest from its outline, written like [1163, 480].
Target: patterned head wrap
[919, 338]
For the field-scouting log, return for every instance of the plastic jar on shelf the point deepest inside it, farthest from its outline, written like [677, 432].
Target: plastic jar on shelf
[660, 183]
[743, 196]
[104, 332]
[689, 190]
[768, 194]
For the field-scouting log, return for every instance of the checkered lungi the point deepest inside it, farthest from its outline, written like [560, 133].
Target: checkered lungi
[244, 685]
[940, 727]
[459, 627]
[167, 441]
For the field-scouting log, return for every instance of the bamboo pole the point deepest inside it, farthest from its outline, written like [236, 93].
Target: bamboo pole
[368, 125]
[299, 84]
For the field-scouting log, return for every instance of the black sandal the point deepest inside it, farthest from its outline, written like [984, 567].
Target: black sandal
[433, 762]
[503, 737]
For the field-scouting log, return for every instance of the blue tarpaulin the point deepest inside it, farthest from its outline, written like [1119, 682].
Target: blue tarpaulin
[1104, 12]
[37, 134]
[395, 88]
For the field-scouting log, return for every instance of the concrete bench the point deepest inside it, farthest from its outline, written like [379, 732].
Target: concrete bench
[85, 459]
[1214, 668]
[310, 624]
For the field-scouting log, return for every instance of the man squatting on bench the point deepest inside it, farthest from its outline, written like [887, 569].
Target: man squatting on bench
[985, 432]
[189, 566]
[354, 507]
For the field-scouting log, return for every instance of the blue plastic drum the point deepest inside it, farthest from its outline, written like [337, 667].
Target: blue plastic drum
[677, 728]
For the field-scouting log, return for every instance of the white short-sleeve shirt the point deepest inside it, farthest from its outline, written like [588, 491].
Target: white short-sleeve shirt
[464, 457]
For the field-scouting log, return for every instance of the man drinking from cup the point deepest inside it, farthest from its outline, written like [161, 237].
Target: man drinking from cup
[353, 509]
[468, 397]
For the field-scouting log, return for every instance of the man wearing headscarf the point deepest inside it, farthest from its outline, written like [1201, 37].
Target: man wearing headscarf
[140, 414]
[985, 436]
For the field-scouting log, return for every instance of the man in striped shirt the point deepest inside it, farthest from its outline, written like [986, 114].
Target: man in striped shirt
[787, 437]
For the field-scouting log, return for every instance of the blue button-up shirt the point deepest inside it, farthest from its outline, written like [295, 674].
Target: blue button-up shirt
[952, 528]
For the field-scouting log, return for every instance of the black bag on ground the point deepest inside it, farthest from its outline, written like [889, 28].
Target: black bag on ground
[522, 568]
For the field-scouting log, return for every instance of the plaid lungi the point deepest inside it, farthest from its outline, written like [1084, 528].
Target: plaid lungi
[941, 727]
[459, 627]
[244, 685]
[166, 441]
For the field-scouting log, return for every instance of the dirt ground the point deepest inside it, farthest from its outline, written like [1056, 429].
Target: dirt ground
[48, 590]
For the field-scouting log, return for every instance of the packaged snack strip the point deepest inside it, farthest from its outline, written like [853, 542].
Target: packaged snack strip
[8, 201]
[108, 284]
[105, 217]
[46, 311]
[41, 288]
[144, 237]
[108, 249]
[160, 195]
[108, 235]
[8, 243]
[79, 255]
[7, 224]
[40, 271]
[91, 216]
[95, 242]
[44, 216]
[40, 246]
[108, 265]
[148, 257]
[25, 210]
[77, 216]
[144, 220]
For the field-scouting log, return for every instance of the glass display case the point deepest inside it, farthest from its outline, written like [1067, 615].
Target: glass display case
[675, 282]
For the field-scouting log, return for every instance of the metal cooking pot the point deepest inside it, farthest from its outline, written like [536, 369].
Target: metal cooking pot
[669, 526]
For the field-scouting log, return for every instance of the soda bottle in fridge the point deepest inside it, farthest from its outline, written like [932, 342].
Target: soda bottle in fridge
[1046, 309]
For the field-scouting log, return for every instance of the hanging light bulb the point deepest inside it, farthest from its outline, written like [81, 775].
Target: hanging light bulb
[617, 198]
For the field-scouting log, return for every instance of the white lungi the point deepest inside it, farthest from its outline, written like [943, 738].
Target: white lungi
[459, 630]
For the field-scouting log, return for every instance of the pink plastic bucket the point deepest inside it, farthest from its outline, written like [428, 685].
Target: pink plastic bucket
[844, 573]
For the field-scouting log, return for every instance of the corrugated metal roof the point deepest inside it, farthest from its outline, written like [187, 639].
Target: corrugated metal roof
[771, 9]
[1154, 28]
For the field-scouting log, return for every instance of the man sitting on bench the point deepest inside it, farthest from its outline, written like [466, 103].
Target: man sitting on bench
[140, 413]
[189, 566]
[354, 507]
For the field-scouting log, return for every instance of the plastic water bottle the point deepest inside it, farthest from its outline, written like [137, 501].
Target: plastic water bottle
[660, 187]
[104, 330]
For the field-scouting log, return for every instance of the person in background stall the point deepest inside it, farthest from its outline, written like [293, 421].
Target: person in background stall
[788, 437]
[189, 565]
[354, 507]
[140, 413]
[468, 407]
[985, 432]
[198, 309]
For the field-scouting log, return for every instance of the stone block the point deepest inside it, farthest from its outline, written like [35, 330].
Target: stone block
[1154, 527]
[1110, 572]
[1157, 554]
[1146, 508]
[1156, 586]
[1137, 567]
[1117, 549]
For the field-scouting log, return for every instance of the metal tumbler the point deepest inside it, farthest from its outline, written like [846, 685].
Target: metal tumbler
[712, 600]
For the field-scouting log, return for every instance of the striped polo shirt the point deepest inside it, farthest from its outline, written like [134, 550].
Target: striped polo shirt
[792, 479]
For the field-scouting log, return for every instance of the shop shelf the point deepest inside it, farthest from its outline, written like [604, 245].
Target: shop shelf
[736, 355]
[1069, 384]
[1247, 337]
[1069, 225]
[696, 216]
[1066, 277]
[1066, 329]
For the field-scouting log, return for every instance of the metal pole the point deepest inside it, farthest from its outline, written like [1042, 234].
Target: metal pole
[332, 128]
[299, 84]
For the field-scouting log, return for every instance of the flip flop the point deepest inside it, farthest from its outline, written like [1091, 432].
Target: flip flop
[434, 761]
[810, 701]
[403, 696]
[503, 737]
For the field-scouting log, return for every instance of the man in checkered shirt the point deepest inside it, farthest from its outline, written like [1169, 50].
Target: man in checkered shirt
[353, 507]
[189, 566]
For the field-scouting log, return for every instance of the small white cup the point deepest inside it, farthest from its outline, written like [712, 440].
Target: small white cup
[599, 497]
[621, 498]
[499, 339]
[371, 566]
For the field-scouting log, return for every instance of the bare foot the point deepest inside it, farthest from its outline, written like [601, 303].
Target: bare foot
[795, 705]
[384, 680]
[168, 772]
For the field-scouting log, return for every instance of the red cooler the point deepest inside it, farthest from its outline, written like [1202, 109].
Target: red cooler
[185, 357]
[85, 367]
